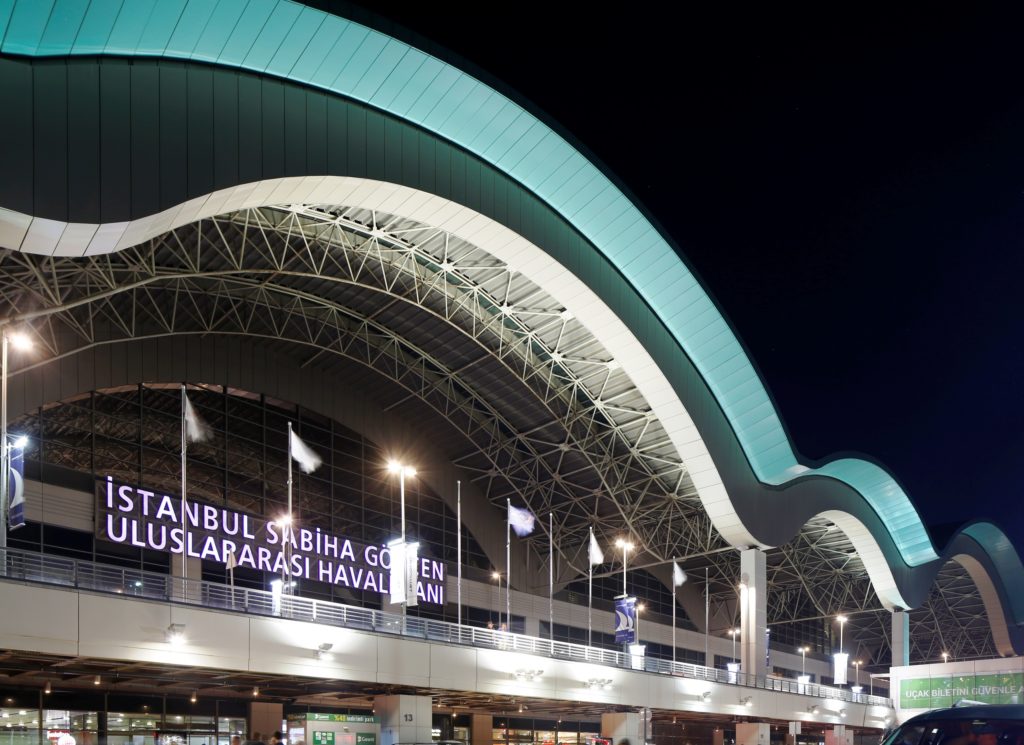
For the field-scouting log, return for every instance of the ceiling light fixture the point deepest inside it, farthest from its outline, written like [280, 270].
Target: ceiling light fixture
[175, 634]
[96, 681]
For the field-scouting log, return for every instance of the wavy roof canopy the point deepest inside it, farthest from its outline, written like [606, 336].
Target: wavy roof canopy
[312, 48]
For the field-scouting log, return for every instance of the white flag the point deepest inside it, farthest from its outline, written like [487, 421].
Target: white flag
[196, 430]
[596, 554]
[230, 563]
[678, 575]
[308, 460]
[521, 520]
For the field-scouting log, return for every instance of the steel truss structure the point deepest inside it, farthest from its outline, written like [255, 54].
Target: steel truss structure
[511, 385]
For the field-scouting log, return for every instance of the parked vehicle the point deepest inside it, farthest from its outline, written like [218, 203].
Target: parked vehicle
[963, 725]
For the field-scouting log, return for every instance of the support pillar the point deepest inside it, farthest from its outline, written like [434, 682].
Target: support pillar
[794, 730]
[753, 733]
[481, 730]
[625, 725]
[900, 644]
[753, 612]
[531, 626]
[718, 736]
[404, 718]
[839, 735]
[264, 719]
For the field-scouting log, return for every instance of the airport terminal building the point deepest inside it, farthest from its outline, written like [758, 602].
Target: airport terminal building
[255, 252]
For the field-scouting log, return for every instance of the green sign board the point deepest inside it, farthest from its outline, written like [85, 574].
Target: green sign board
[946, 690]
[366, 738]
[323, 738]
[317, 717]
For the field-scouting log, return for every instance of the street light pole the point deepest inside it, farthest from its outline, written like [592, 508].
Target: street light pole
[733, 633]
[842, 623]
[803, 661]
[497, 576]
[20, 342]
[626, 547]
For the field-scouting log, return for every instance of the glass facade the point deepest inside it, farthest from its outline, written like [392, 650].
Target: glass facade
[525, 731]
[133, 434]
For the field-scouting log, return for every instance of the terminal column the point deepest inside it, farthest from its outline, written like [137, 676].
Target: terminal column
[753, 733]
[839, 735]
[481, 730]
[753, 591]
[900, 638]
[625, 725]
[404, 718]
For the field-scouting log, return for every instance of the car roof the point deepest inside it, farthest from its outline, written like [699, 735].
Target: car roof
[994, 711]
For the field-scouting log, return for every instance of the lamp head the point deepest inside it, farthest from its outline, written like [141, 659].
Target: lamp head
[20, 341]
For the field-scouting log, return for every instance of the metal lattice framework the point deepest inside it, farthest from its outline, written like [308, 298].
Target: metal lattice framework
[511, 384]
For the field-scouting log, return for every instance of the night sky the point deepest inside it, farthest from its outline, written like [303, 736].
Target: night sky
[851, 191]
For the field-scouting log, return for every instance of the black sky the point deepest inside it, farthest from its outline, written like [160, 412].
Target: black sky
[851, 191]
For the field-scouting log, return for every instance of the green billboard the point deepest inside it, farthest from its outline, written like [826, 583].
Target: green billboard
[946, 690]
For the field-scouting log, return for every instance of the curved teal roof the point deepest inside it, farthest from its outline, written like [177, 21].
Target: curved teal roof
[308, 46]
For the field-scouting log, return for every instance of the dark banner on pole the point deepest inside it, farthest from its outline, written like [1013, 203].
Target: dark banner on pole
[625, 620]
[16, 488]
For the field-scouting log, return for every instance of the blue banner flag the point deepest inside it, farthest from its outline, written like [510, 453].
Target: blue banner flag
[625, 620]
[16, 487]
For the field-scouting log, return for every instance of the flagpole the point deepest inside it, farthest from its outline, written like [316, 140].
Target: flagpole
[673, 611]
[458, 543]
[551, 575]
[707, 606]
[508, 562]
[184, 521]
[590, 590]
[287, 530]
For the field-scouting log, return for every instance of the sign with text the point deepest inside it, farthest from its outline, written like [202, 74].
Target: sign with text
[315, 716]
[323, 738]
[134, 516]
[945, 690]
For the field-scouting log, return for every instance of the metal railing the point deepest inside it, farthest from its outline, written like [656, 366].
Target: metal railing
[27, 566]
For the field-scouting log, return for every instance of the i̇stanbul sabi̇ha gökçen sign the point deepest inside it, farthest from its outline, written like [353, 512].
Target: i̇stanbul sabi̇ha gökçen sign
[134, 516]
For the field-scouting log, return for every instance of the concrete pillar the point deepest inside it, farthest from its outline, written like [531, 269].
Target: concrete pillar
[839, 735]
[794, 730]
[625, 725]
[481, 730]
[753, 612]
[718, 736]
[264, 719]
[404, 718]
[531, 626]
[753, 733]
[900, 638]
